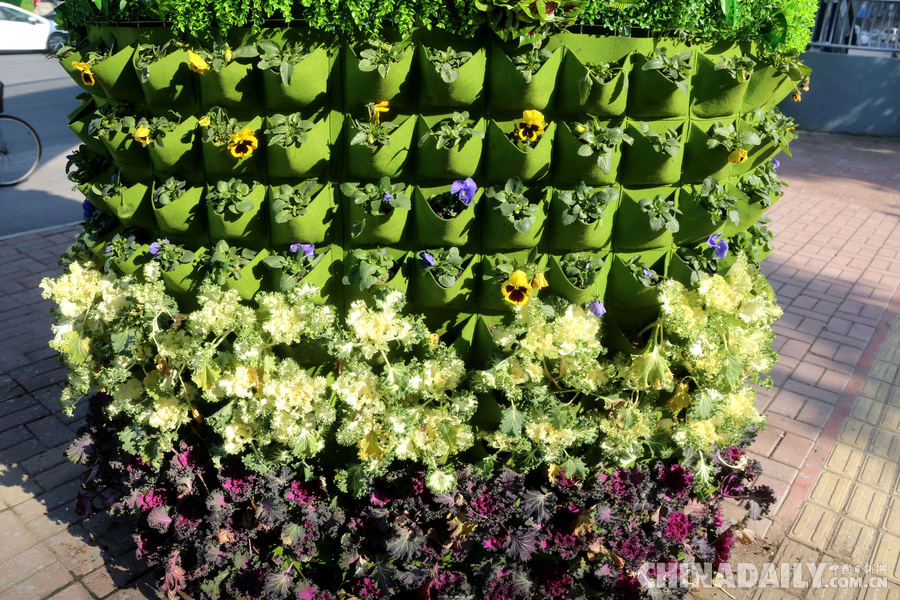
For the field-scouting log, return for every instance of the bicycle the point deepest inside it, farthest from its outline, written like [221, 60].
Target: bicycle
[20, 148]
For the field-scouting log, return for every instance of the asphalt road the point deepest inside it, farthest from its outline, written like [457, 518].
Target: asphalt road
[40, 92]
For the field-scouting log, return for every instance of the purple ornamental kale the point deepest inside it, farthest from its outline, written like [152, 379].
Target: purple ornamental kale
[678, 527]
[676, 479]
[721, 246]
[464, 190]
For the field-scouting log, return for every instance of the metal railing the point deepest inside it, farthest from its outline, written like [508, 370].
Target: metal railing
[858, 24]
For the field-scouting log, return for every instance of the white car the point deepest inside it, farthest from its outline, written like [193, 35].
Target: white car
[23, 30]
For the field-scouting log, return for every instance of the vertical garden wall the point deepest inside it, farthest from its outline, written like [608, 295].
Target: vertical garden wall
[425, 314]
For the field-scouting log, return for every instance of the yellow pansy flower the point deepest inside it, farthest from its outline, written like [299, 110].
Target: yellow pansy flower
[243, 143]
[539, 281]
[142, 134]
[87, 76]
[375, 110]
[531, 125]
[517, 289]
[738, 156]
[196, 62]
[204, 122]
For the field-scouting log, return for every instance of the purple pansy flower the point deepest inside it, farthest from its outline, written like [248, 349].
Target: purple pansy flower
[464, 189]
[308, 249]
[89, 209]
[775, 163]
[721, 246]
[387, 197]
[597, 309]
[648, 273]
[428, 260]
[154, 247]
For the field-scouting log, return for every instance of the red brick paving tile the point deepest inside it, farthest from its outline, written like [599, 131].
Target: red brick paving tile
[825, 307]
[119, 541]
[848, 355]
[13, 536]
[776, 470]
[793, 334]
[829, 366]
[815, 413]
[811, 391]
[21, 417]
[39, 585]
[839, 325]
[786, 403]
[115, 574]
[59, 474]
[794, 349]
[24, 564]
[40, 505]
[851, 307]
[811, 326]
[46, 459]
[76, 551]
[51, 431]
[145, 588]
[804, 302]
[73, 592]
[792, 450]
[834, 381]
[54, 521]
[45, 379]
[765, 442]
[780, 488]
[16, 486]
[21, 451]
[808, 373]
[787, 424]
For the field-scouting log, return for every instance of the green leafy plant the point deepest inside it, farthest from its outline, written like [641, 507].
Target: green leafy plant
[219, 55]
[586, 204]
[676, 69]
[372, 133]
[595, 137]
[219, 127]
[170, 256]
[232, 195]
[84, 164]
[280, 60]
[701, 260]
[103, 193]
[727, 136]
[378, 200]
[289, 202]
[295, 264]
[774, 125]
[381, 56]
[447, 63]
[372, 267]
[787, 63]
[147, 54]
[110, 119]
[525, 19]
[720, 204]
[288, 130]
[502, 266]
[452, 132]
[121, 248]
[531, 61]
[445, 265]
[581, 269]
[512, 204]
[225, 262]
[662, 213]
[169, 191]
[668, 142]
[153, 131]
[643, 273]
[754, 241]
[762, 185]
[740, 67]
[599, 73]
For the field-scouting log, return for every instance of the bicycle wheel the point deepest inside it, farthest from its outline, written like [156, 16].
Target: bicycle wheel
[20, 150]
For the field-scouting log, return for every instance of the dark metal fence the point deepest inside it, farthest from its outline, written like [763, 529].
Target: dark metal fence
[843, 25]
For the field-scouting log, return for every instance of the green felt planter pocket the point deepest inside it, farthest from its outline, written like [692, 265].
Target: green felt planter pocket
[315, 227]
[125, 150]
[136, 263]
[679, 270]
[75, 74]
[180, 151]
[183, 220]
[133, 206]
[631, 304]
[99, 245]
[79, 119]
[701, 161]
[578, 236]
[218, 161]
[399, 279]
[431, 230]
[616, 341]
[756, 155]
[308, 87]
[643, 165]
[323, 276]
[431, 294]
[378, 231]
[254, 277]
[307, 160]
[569, 167]
[767, 86]
[504, 160]
[250, 229]
[184, 280]
[695, 221]
[235, 86]
[750, 213]
[467, 91]
[716, 93]
[498, 233]
[652, 96]
[562, 287]
[100, 180]
[118, 79]
[390, 161]
[632, 232]
[363, 87]
[507, 89]
[170, 82]
[490, 296]
[447, 163]
[606, 100]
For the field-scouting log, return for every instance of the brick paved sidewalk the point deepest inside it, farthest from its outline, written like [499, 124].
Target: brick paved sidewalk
[836, 272]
